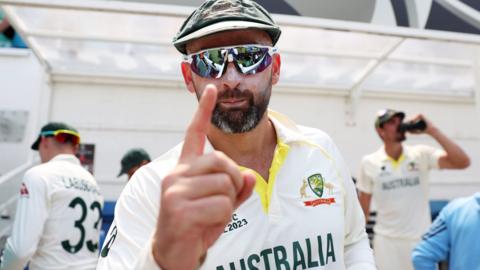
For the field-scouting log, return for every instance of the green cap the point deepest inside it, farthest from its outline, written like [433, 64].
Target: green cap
[385, 115]
[215, 16]
[132, 158]
[52, 127]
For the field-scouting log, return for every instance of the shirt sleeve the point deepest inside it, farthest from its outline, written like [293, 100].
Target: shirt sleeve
[128, 243]
[358, 254]
[357, 248]
[32, 208]
[431, 155]
[364, 181]
[434, 246]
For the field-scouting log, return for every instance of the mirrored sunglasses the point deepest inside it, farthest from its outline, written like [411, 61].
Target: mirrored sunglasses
[63, 136]
[248, 59]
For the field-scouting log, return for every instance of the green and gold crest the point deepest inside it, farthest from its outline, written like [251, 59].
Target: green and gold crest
[316, 184]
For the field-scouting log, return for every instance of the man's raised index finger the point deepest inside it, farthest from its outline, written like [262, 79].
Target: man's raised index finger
[195, 135]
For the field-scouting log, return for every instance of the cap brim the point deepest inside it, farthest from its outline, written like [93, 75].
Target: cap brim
[220, 27]
[36, 144]
[401, 114]
[122, 172]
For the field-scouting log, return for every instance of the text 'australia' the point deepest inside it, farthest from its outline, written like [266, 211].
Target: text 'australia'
[306, 254]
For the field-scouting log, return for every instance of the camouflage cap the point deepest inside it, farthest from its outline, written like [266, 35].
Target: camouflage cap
[385, 115]
[215, 16]
[52, 126]
[132, 158]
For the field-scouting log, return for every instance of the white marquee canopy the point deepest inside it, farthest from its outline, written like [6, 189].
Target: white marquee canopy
[133, 40]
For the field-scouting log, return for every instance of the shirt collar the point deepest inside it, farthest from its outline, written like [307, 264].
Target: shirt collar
[386, 157]
[66, 157]
[287, 130]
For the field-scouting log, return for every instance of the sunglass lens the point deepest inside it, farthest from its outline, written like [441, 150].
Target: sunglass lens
[251, 59]
[209, 63]
[65, 137]
[248, 56]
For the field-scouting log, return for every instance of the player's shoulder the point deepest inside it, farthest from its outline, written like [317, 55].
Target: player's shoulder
[375, 156]
[419, 148]
[37, 176]
[319, 138]
[149, 176]
[289, 131]
[38, 171]
[373, 160]
[163, 164]
[316, 135]
[422, 153]
[458, 204]
[62, 166]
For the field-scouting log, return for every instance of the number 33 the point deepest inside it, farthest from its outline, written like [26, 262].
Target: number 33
[91, 246]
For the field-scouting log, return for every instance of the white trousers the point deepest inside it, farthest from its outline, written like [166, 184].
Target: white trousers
[393, 253]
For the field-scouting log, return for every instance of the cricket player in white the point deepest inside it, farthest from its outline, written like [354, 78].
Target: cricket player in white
[248, 188]
[58, 217]
[396, 177]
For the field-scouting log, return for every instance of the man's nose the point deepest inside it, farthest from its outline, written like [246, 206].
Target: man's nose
[231, 78]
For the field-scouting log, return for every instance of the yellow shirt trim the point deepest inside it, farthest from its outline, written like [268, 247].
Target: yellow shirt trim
[263, 188]
[396, 163]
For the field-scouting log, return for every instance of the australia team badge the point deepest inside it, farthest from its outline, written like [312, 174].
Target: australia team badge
[315, 191]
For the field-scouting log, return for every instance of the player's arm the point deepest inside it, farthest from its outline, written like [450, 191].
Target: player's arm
[30, 216]
[364, 186]
[434, 246]
[454, 156]
[365, 200]
[358, 254]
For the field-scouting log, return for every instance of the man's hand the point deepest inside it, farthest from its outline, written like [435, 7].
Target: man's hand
[198, 197]
[428, 130]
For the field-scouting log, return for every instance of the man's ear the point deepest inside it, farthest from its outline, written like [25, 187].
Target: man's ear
[43, 142]
[380, 132]
[75, 148]
[276, 63]
[187, 77]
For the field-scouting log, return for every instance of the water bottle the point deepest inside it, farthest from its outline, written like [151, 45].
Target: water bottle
[419, 125]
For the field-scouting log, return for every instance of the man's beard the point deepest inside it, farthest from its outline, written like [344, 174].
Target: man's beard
[240, 120]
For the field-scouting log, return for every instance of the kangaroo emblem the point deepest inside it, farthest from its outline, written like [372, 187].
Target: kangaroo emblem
[329, 188]
[303, 194]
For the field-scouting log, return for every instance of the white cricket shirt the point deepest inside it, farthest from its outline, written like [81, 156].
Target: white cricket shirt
[306, 216]
[58, 218]
[400, 189]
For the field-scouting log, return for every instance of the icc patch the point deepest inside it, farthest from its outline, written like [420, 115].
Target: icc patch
[24, 191]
